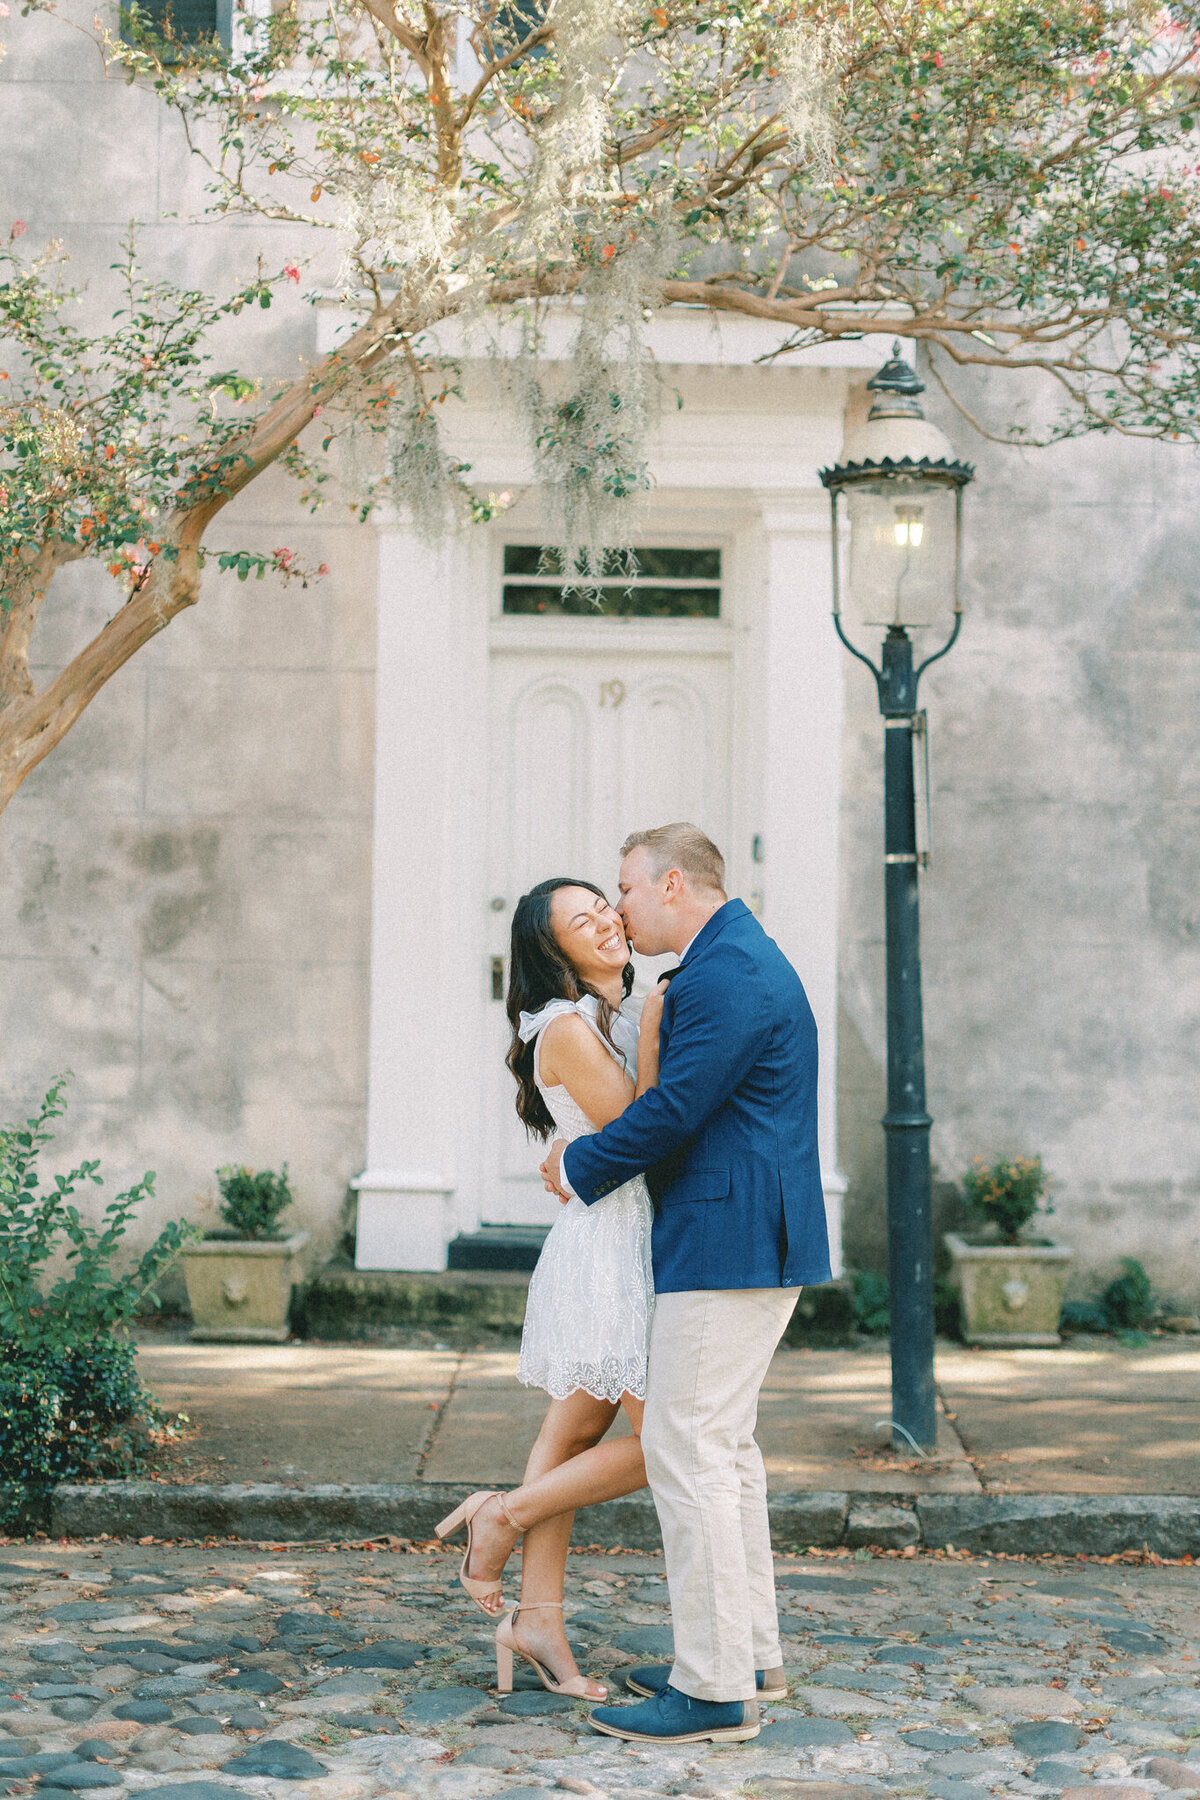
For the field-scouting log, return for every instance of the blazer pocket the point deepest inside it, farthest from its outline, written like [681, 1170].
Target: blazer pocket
[698, 1184]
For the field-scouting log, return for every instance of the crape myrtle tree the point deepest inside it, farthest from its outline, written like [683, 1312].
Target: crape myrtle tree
[1010, 185]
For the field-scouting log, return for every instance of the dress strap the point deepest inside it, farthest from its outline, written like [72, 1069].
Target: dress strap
[531, 1023]
[584, 1009]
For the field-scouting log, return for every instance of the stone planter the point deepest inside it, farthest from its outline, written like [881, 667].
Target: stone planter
[1010, 1294]
[240, 1289]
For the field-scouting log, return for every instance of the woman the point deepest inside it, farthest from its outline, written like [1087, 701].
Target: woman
[587, 1322]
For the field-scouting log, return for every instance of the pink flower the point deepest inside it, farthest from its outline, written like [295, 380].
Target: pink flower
[5, 10]
[291, 271]
[18, 227]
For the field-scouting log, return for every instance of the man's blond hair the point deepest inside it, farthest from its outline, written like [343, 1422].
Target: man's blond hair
[683, 847]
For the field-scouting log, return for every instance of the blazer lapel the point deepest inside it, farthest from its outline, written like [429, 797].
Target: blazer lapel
[660, 1175]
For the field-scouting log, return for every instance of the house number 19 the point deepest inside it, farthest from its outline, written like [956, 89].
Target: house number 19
[612, 693]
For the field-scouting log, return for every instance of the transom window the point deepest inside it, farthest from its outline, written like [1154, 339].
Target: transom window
[187, 22]
[657, 583]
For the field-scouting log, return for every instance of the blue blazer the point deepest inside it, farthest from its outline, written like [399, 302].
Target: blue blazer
[737, 1105]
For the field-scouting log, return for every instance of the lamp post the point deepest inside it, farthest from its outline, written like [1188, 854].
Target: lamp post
[903, 495]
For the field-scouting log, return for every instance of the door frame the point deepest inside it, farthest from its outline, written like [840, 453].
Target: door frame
[437, 608]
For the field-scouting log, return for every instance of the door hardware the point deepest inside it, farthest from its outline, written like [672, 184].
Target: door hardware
[497, 978]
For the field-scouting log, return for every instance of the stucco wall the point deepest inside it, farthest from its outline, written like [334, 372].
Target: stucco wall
[1061, 916]
[184, 882]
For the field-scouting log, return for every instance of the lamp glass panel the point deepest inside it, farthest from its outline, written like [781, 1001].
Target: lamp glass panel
[902, 552]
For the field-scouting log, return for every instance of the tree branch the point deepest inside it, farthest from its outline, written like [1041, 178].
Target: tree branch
[404, 34]
[543, 35]
[32, 726]
[36, 569]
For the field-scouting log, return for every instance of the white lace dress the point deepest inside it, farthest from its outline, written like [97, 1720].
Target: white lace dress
[591, 1296]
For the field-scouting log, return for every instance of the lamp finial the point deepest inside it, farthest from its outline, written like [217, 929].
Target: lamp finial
[896, 387]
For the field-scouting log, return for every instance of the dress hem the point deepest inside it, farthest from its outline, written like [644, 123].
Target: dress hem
[579, 1387]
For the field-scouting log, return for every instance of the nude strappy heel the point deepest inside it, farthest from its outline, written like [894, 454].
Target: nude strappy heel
[576, 1686]
[480, 1591]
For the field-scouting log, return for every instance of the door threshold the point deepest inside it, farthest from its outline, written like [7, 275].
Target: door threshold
[497, 1247]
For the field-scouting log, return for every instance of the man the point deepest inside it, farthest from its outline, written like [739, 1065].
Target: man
[729, 1142]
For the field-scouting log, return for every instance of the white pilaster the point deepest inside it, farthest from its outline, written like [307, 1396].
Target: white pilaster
[431, 638]
[799, 684]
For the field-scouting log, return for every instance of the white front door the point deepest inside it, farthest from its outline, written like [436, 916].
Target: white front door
[597, 727]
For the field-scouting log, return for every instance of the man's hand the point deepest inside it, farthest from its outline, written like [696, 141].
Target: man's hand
[551, 1169]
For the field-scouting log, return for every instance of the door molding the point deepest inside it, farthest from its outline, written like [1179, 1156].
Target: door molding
[438, 630]
[426, 980]
[801, 695]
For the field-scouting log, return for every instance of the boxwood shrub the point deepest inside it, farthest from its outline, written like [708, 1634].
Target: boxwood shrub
[72, 1405]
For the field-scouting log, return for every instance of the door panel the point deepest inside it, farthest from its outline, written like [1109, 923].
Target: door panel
[662, 764]
[587, 745]
[549, 752]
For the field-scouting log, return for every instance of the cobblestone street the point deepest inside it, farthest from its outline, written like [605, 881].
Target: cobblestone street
[194, 1673]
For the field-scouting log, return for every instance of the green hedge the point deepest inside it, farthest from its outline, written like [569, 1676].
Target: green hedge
[78, 1412]
[72, 1404]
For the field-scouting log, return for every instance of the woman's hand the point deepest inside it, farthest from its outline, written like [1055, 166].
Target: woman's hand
[652, 1011]
[652, 1008]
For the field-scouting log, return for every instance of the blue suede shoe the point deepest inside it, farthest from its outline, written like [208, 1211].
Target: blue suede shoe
[674, 1718]
[652, 1678]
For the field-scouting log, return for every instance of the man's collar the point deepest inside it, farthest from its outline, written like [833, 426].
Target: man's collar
[689, 943]
[730, 910]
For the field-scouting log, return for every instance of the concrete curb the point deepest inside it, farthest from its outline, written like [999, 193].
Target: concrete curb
[1028, 1524]
[1063, 1524]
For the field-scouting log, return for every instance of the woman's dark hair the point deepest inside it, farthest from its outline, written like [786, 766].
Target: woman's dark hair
[539, 970]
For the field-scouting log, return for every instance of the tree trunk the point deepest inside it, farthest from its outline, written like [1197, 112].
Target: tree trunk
[31, 724]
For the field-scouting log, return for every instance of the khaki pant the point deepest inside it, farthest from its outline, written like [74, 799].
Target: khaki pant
[709, 1354]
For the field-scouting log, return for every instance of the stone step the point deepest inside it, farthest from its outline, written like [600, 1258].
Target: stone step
[346, 1303]
[343, 1302]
